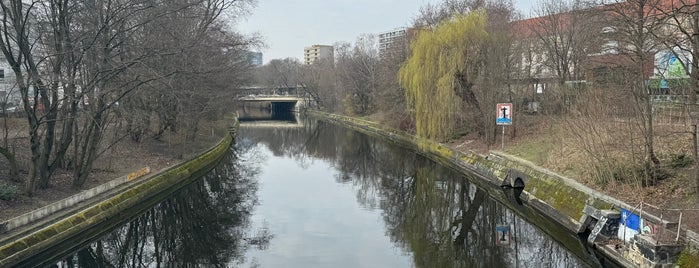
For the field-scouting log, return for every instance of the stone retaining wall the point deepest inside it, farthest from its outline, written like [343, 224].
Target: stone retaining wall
[41, 213]
[551, 194]
[571, 204]
[109, 213]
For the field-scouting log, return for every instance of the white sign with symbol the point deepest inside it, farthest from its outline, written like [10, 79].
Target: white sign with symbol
[504, 114]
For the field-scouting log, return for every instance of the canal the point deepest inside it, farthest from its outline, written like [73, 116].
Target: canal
[307, 193]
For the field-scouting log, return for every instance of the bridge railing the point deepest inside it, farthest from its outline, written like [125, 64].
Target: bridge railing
[267, 94]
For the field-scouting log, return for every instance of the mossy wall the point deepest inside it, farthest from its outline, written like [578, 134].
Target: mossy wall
[550, 194]
[111, 211]
[547, 194]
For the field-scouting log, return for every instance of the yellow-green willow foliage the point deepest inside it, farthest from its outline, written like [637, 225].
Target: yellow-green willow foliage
[430, 76]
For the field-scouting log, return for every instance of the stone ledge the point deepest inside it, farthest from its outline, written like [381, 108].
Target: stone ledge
[35, 215]
[546, 192]
[73, 224]
[557, 197]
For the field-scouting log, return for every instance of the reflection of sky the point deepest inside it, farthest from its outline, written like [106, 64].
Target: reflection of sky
[317, 222]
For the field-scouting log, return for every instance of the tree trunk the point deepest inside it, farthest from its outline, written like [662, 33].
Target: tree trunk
[30, 183]
[67, 130]
[652, 162]
[89, 152]
[693, 88]
[696, 156]
[14, 171]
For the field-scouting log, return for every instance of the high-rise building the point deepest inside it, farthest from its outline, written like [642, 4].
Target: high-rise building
[315, 52]
[392, 41]
[255, 58]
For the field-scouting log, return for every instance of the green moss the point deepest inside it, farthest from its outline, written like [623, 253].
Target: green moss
[51, 232]
[557, 194]
[688, 258]
[61, 225]
[31, 240]
[44, 234]
[89, 213]
[565, 198]
[127, 199]
[12, 248]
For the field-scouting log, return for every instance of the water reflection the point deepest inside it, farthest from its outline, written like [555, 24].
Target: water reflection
[435, 215]
[358, 201]
[252, 113]
[205, 224]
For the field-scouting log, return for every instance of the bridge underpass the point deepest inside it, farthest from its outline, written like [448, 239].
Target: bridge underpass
[269, 110]
[283, 107]
[276, 103]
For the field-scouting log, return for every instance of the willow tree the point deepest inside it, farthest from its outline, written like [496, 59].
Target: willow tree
[441, 72]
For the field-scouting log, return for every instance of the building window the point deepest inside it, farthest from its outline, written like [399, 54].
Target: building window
[608, 29]
[2, 74]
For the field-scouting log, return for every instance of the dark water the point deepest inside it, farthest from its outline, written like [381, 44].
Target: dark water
[319, 195]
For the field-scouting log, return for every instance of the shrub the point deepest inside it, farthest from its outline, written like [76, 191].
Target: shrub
[688, 258]
[8, 192]
[680, 161]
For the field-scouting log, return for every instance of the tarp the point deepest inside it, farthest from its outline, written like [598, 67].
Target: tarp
[632, 221]
[630, 224]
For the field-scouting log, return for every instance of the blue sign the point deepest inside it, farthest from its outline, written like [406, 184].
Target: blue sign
[632, 221]
[503, 121]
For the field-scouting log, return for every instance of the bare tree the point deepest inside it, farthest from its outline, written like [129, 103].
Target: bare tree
[357, 70]
[681, 37]
[498, 58]
[18, 41]
[280, 73]
[433, 14]
[566, 32]
[633, 24]
[84, 57]
[390, 97]
[319, 82]
[5, 146]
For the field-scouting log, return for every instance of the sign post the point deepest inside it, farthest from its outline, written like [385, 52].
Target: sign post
[504, 118]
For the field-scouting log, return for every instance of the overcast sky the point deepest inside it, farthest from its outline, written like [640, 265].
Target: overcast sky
[287, 26]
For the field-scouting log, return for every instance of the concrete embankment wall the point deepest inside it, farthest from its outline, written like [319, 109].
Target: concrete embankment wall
[561, 199]
[111, 212]
[11, 225]
[550, 194]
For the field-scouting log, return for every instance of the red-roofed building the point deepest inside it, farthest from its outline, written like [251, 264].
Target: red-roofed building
[600, 44]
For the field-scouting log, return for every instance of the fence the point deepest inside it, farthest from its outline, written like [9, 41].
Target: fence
[665, 228]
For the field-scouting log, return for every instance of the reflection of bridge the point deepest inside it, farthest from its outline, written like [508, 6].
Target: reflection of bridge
[264, 118]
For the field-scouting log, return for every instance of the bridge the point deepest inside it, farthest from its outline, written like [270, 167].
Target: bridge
[278, 103]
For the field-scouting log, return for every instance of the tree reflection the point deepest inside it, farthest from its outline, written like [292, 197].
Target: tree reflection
[206, 224]
[429, 210]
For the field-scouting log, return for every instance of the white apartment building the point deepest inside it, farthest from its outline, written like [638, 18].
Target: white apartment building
[395, 39]
[9, 94]
[315, 52]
